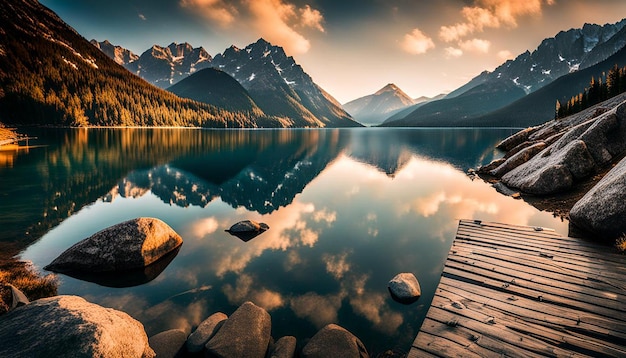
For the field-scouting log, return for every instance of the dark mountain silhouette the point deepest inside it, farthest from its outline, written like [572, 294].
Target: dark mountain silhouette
[375, 108]
[567, 52]
[215, 87]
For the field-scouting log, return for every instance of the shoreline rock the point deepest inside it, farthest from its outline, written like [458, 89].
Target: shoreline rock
[133, 244]
[405, 288]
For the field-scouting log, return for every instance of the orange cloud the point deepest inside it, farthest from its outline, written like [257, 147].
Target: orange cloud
[417, 42]
[475, 45]
[276, 21]
[453, 52]
[491, 14]
[214, 10]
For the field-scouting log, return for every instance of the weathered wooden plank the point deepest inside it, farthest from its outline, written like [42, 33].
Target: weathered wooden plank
[575, 320]
[533, 291]
[415, 352]
[553, 245]
[515, 245]
[543, 278]
[515, 291]
[532, 314]
[567, 272]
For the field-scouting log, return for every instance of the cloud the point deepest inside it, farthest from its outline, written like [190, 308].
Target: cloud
[244, 290]
[277, 22]
[475, 45]
[204, 227]
[491, 14]
[312, 18]
[336, 265]
[453, 52]
[320, 310]
[505, 55]
[142, 16]
[417, 43]
[214, 10]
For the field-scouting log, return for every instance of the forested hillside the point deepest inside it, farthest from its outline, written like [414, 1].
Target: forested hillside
[50, 75]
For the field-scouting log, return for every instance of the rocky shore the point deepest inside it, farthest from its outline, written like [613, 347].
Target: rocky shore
[573, 166]
[71, 326]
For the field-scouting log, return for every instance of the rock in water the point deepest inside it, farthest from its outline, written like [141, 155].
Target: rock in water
[405, 288]
[129, 245]
[246, 333]
[602, 210]
[334, 341]
[285, 347]
[204, 332]
[69, 326]
[168, 344]
[247, 230]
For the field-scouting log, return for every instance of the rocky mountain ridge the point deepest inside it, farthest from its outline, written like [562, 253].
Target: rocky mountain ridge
[567, 52]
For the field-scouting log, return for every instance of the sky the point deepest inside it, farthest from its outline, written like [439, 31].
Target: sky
[351, 48]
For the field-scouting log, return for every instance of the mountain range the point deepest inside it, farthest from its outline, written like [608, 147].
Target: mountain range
[568, 52]
[375, 108]
[277, 85]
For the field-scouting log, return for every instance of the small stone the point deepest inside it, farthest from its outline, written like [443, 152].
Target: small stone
[285, 347]
[334, 341]
[247, 230]
[168, 344]
[205, 330]
[405, 288]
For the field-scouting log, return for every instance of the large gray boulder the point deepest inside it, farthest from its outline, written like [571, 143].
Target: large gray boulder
[168, 344]
[69, 326]
[246, 333]
[602, 210]
[205, 330]
[129, 245]
[577, 147]
[405, 288]
[334, 341]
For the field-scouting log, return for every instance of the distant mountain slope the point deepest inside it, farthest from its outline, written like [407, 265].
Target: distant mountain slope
[50, 75]
[568, 51]
[539, 106]
[215, 87]
[280, 87]
[375, 108]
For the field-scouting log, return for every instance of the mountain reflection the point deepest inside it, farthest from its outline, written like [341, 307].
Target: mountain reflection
[260, 170]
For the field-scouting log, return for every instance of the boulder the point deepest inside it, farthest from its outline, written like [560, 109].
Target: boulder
[602, 210]
[486, 169]
[553, 170]
[133, 244]
[205, 330]
[518, 159]
[168, 344]
[334, 341]
[246, 333]
[405, 288]
[285, 347]
[516, 139]
[247, 230]
[69, 326]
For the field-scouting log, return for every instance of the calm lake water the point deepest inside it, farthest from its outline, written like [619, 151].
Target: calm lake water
[347, 210]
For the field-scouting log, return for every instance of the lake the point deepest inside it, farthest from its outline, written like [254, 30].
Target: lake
[348, 209]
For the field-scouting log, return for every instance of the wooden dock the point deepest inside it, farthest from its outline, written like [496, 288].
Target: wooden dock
[519, 291]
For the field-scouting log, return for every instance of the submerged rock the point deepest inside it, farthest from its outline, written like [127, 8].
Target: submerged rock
[405, 288]
[133, 244]
[246, 333]
[168, 344]
[69, 326]
[285, 347]
[602, 210]
[334, 341]
[198, 339]
[247, 230]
